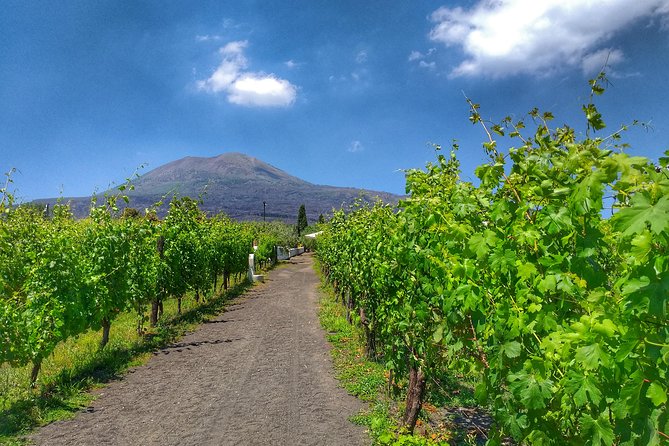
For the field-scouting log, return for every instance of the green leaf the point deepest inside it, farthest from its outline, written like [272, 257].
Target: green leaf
[481, 392]
[625, 349]
[534, 307]
[588, 193]
[628, 402]
[511, 349]
[526, 271]
[548, 283]
[659, 296]
[536, 393]
[591, 356]
[641, 245]
[654, 294]
[599, 430]
[438, 334]
[593, 116]
[606, 328]
[531, 391]
[480, 243]
[502, 260]
[633, 220]
[633, 285]
[664, 160]
[587, 391]
[657, 394]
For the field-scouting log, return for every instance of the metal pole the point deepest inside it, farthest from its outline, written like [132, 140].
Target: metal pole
[263, 211]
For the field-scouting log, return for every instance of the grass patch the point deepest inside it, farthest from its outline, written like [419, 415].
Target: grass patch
[358, 375]
[78, 366]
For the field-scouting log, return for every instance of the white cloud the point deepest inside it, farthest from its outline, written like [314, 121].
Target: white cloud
[247, 88]
[207, 37]
[427, 65]
[361, 57]
[261, 91]
[415, 55]
[291, 64]
[423, 59]
[356, 146]
[592, 63]
[507, 37]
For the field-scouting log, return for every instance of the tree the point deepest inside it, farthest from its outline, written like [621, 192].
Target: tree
[130, 213]
[301, 220]
[321, 219]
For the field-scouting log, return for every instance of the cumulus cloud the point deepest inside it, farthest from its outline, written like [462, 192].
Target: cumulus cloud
[507, 37]
[243, 87]
[261, 91]
[356, 146]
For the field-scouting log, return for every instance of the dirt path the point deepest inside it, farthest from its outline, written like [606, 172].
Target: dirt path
[260, 373]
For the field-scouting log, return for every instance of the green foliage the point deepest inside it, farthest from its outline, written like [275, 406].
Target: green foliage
[62, 277]
[562, 312]
[42, 299]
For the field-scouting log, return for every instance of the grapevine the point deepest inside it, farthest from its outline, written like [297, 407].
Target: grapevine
[521, 279]
[63, 276]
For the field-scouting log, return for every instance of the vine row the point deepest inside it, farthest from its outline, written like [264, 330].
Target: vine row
[548, 279]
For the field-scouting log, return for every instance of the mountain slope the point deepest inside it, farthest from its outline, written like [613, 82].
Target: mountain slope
[237, 185]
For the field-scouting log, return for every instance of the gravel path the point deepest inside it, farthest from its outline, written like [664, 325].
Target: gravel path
[258, 374]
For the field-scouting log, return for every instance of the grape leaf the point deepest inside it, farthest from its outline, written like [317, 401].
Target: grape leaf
[657, 394]
[527, 271]
[583, 387]
[588, 390]
[591, 356]
[511, 349]
[532, 392]
[633, 220]
[478, 245]
[600, 430]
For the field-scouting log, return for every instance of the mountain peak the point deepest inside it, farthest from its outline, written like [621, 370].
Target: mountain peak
[238, 185]
[232, 166]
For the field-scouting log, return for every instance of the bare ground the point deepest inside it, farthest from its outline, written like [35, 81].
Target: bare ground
[258, 374]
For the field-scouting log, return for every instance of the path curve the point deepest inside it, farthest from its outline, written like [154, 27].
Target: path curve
[258, 374]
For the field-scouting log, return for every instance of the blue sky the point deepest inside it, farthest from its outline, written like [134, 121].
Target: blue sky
[337, 92]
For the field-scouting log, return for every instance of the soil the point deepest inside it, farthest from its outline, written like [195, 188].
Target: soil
[258, 374]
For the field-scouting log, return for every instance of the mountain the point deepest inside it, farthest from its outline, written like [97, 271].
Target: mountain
[237, 185]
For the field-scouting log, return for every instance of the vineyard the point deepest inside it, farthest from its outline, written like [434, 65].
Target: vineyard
[62, 277]
[548, 280]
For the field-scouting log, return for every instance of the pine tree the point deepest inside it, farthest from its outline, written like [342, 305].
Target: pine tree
[301, 220]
